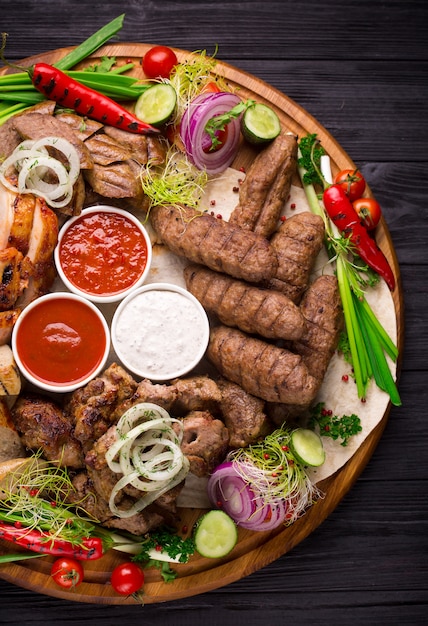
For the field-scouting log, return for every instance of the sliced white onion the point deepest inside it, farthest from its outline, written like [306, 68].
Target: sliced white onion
[195, 138]
[33, 162]
[147, 454]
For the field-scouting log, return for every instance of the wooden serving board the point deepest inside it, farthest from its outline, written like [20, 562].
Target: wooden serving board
[254, 549]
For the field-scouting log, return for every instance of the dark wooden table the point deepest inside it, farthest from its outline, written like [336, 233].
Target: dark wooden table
[361, 69]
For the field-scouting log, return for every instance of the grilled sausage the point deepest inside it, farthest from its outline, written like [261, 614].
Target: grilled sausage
[261, 369]
[205, 239]
[236, 303]
[266, 187]
[297, 243]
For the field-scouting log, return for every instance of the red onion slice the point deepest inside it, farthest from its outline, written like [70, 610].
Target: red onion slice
[229, 491]
[195, 138]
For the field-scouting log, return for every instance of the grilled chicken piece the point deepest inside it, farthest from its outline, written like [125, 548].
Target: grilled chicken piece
[10, 378]
[43, 426]
[38, 265]
[23, 216]
[7, 322]
[92, 407]
[11, 285]
[205, 442]
[7, 199]
[10, 444]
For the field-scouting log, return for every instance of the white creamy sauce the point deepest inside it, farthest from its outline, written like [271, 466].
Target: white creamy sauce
[161, 333]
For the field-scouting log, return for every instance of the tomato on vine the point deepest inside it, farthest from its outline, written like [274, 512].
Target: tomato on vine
[127, 579]
[158, 62]
[352, 182]
[67, 572]
[369, 212]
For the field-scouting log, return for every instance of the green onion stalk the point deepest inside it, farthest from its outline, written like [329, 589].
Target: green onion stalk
[18, 93]
[369, 343]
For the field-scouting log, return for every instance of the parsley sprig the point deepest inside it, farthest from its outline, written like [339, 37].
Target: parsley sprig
[330, 425]
[167, 541]
[219, 122]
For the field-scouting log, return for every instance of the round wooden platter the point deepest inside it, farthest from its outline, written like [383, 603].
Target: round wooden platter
[254, 549]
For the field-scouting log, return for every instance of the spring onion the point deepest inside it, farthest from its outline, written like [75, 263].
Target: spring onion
[368, 340]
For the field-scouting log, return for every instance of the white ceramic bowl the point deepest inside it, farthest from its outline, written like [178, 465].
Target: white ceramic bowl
[60, 342]
[85, 276]
[160, 332]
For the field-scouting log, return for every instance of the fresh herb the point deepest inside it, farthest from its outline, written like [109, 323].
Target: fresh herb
[105, 65]
[177, 182]
[219, 122]
[330, 425]
[311, 152]
[165, 540]
[368, 340]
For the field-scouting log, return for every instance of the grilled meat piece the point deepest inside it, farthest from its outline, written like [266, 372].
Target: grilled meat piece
[11, 285]
[205, 442]
[260, 368]
[105, 150]
[36, 125]
[256, 311]
[243, 414]
[322, 308]
[146, 391]
[7, 322]
[197, 393]
[38, 265]
[297, 243]
[43, 426]
[204, 239]
[82, 127]
[91, 408]
[23, 217]
[10, 443]
[266, 187]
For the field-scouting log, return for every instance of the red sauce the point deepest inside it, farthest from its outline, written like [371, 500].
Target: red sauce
[103, 253]
[61, 341]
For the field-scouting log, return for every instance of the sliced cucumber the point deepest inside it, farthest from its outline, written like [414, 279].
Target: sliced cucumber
[216, 534]
[307, 447]
[260, 124]
[156, 105]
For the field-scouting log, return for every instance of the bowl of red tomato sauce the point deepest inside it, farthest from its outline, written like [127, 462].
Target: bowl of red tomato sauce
[60, 342]
[103, 254]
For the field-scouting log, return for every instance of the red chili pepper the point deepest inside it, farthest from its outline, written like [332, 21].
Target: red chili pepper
[69, 93]
[90, 548]
[342, 213]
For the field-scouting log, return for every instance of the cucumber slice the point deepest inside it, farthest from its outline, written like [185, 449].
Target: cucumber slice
[260, 124]
[216, 534]
[156, 105]
[307, 447]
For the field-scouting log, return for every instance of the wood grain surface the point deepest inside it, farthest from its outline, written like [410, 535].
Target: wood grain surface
[362, 73]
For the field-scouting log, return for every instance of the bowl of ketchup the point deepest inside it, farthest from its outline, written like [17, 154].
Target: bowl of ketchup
[103, 254]
[60, 342]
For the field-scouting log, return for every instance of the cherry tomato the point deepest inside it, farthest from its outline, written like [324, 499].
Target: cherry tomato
[211, 87]
[67, 572]
[369, 212]
[352, 182]
[158, 62]
[127, 578]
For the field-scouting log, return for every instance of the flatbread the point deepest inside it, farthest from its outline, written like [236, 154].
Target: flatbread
[221, 197]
